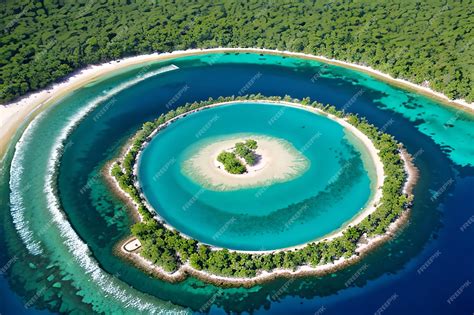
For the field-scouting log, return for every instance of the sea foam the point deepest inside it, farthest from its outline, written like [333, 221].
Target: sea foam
[76, 246]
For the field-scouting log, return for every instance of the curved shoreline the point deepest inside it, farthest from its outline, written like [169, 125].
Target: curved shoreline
[13, 114]
[362, 250]
[363, 246]
[186, 270]
[369, 208]
[49, 99]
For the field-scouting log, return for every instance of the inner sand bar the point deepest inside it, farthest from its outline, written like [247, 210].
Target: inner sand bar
[279, 161]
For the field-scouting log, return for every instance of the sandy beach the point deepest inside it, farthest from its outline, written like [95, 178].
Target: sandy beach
[25, 109]
[377, 164]
[207, 171]
[14, 114]
[374, 158]
[265, 276]
[363, 247]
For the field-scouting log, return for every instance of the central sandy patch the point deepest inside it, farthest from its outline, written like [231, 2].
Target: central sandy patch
[279, 162]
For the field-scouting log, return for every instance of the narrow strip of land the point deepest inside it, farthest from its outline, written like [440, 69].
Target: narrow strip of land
[361, 244]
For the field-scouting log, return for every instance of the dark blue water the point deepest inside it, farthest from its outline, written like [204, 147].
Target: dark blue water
[390, 279]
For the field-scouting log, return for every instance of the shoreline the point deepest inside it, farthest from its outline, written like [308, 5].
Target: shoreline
[185, 270]
[371, 204]
[411, 170]
[15, 113]
[363, 247]
[113, 186]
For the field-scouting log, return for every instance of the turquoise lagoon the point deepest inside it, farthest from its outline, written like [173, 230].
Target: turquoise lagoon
[334, 188]
[68, 265]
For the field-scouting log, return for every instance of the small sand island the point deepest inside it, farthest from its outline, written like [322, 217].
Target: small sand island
[166, 253]
[240, 160]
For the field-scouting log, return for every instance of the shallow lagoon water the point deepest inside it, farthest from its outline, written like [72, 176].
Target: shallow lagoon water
[276, 215]
[100, 219]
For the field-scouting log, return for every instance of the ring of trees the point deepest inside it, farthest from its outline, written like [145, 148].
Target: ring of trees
[169, 249]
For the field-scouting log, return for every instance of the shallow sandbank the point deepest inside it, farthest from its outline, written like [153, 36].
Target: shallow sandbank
[278, 162]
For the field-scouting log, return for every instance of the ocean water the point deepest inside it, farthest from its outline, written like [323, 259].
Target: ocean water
[270, 216]
[49, 214]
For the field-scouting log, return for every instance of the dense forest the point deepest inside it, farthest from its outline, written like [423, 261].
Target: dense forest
[422, 41]
[169, 249]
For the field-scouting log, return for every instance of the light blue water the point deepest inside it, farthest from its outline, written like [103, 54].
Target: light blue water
[440, 137]
[273, 216]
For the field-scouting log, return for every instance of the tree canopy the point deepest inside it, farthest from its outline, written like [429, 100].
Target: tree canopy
[169, 249]
[422, 41]
[231, 163]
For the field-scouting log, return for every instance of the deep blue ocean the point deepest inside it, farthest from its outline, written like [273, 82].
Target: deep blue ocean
[425, 269]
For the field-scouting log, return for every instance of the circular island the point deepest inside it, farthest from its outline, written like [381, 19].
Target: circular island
[296, 189]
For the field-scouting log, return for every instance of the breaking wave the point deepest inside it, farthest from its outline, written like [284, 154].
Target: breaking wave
[75, 245]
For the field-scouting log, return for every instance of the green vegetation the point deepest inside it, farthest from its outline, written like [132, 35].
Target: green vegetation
[251, 144]
[169, 249]
[244, 150]
[231, 163]
[43, 41]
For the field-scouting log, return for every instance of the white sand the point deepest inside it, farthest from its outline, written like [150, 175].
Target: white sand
[12, 115]
[280, 162]
[365, 141]
[362, 247]
[374, 158]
